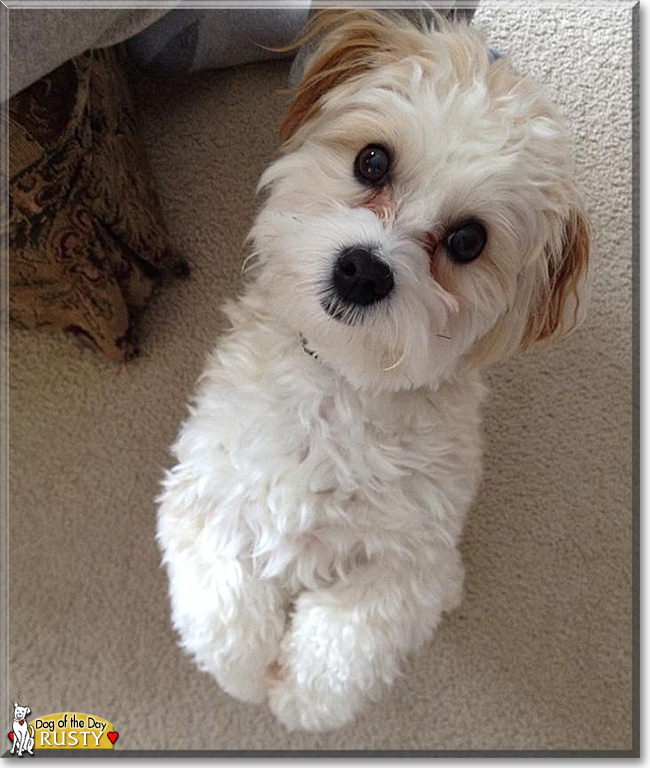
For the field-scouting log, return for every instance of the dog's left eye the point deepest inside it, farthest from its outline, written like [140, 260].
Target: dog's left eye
[371, 164]
[466, 242]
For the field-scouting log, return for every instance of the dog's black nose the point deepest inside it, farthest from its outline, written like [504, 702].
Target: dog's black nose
[360, 277]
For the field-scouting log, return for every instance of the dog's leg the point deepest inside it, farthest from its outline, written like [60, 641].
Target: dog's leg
[348, 639]
[230, 621]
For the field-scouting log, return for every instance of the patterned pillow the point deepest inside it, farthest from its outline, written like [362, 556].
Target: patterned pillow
[87, 244]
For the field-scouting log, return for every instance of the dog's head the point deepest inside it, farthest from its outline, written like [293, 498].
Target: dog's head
[424, 211]
[20, 713]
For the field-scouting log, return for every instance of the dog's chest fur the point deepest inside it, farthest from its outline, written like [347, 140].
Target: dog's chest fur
[310, 476]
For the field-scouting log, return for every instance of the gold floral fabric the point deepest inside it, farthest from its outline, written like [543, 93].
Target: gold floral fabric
[87, 243]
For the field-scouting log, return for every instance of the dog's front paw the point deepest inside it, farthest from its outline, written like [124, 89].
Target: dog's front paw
[239, 663]
[324, 671]
[243, 682]
[299, 705]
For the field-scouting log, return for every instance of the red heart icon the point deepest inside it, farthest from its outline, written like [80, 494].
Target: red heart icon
[112, 735]
[11, 736]
[22, 721]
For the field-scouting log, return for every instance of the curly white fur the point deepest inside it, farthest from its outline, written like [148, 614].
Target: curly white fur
[311, 522]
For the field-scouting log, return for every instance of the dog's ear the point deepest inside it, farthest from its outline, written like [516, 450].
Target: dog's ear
[28, 711]
[556, 305]
[549, 300]
[15, 704]
[351, 42]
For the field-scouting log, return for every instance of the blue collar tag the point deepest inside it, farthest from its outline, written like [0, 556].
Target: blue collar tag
[493, 55]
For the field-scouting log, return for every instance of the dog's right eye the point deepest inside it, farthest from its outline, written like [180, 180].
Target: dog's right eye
[371, 164]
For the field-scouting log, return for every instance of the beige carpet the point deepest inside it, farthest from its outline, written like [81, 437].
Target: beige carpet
[539, 654]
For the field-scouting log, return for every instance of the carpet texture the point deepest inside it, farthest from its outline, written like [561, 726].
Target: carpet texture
[539, 654]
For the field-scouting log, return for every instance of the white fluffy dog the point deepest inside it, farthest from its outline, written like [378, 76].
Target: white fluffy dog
[421, 222]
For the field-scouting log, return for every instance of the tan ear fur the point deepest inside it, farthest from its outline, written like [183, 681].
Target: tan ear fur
[353, 43]
[565, 271]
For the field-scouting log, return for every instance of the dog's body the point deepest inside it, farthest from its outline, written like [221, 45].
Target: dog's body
[319, 492]
[23, 740]
[310, 525]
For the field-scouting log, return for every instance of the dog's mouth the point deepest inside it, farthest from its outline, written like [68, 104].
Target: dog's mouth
[348, 314]
[351, 314]
[339, 307]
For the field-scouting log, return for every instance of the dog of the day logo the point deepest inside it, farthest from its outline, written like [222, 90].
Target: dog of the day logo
[22, 734]
[63, 730]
